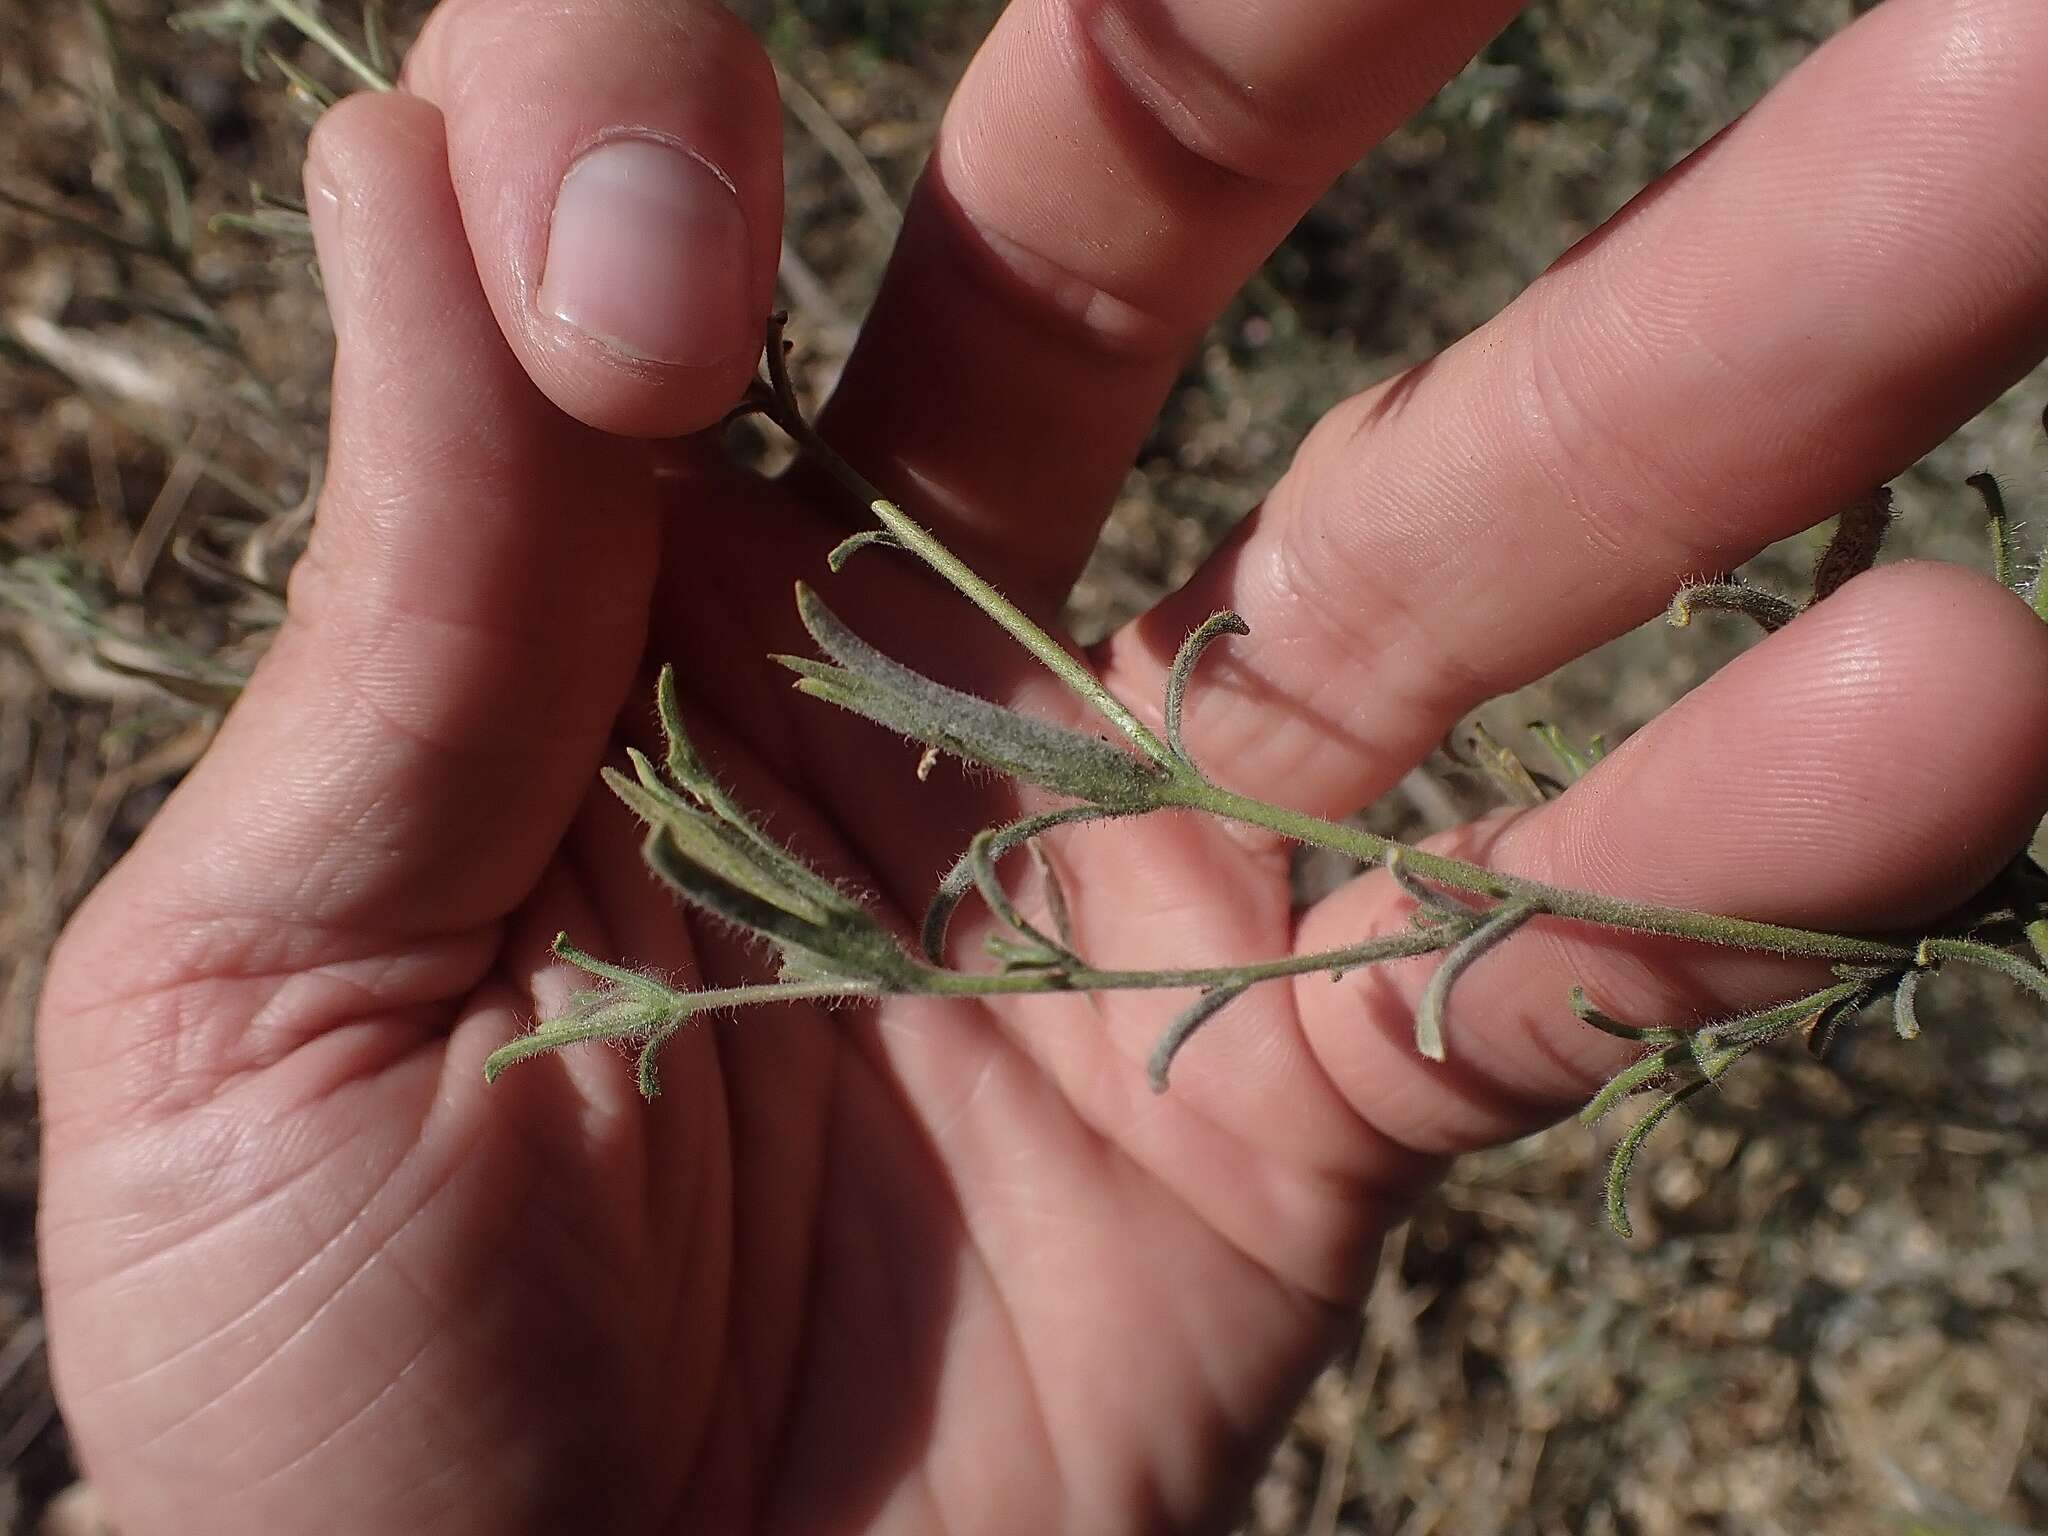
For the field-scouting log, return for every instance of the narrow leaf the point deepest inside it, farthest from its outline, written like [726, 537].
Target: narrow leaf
[1998, 527]
[1905, 1015]
[1713, 1064]
[711, 844]
[1607, 1024]
[1767, 610]
[316, 93]
[1827, 1029]
[617, 1021]
[2006, 964]
[1766, 1024]
[1576, 761]
[989, 883]
[1507, 771]
[652, 989]
[869, 684]
[377, 37]
[959, 880]
[1204, 635]
[1632, 1079]
[848, 547]
[689, 773]
[839, 947]
[1429, 897]
[1625, 1152]
[1859, 536]
[646, 1077]
[1055, 894]
[1496, 926]
[1182, 1029]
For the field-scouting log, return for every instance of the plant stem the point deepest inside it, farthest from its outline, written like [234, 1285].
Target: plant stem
[1550, 900]
[319, 32]
[1182, 786]
[914, 537]
[1393, 946]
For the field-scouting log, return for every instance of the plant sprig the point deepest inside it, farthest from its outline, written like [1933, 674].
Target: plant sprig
[832, 948]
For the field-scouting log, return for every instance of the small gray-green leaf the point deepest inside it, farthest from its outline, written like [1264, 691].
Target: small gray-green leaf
[869, 684]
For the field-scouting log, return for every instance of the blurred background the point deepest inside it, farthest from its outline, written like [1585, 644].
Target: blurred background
[1835, 1316]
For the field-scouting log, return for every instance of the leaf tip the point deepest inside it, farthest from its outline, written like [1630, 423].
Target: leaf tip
[646, 1075]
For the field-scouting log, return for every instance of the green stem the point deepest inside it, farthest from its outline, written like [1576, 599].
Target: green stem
[319, 32]
[1393, 946]
[914, 537]
[1182, 786]
[605, 1024]
[1551, 900]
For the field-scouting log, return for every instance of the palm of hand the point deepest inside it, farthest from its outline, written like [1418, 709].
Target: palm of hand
[933, 1265]
[823, 1277]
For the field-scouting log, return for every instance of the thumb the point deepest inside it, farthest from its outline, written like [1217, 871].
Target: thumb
[461, 632]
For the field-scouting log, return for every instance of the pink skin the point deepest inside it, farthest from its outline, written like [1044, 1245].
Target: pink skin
[929, 1267]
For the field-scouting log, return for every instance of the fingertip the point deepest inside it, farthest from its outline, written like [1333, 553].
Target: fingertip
[373, 160]
[627, 236]
[1871, 764]
[351, 137]
[1864, 770]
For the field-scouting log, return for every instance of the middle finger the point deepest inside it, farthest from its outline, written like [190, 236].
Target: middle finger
[1794, 315]
[1108, 174]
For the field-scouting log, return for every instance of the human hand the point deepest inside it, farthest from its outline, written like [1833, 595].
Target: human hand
[939, 1265]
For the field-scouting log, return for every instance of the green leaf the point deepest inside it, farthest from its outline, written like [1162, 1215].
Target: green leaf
[854, 949]
[853, 544]
[869, 684]
[1766, 1024]
[959, 880]
[1767, 610]
[1427, 897]
[1820, 1040]
[711, 844]
[1508, 773]
[1625, 1152]
[553, 1034]
[1858, 537]
[1576, 761]
[989, 883]
[687, 770]
[1207, 633]
[1666, 1062]
[1607, 1024]
[1989, 958]
[1497, 925]
[629, 1005]
[1998, 527]
[377, 38]
[1182, 1029]
[319, 95]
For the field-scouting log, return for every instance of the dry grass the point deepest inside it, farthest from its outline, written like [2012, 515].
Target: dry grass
[1838, 1321]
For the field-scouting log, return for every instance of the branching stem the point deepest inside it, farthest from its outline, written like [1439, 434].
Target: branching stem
[833, 948]
[783, 410]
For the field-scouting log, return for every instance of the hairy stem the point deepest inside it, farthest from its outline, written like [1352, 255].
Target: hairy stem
[1549, 900]
[914, 537]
